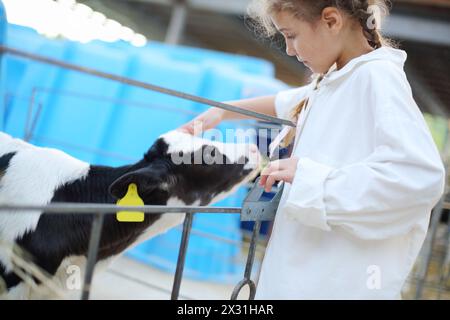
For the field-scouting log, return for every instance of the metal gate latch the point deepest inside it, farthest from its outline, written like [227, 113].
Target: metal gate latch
[255, 210]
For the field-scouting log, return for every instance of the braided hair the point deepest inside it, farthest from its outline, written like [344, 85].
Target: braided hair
[363, 11]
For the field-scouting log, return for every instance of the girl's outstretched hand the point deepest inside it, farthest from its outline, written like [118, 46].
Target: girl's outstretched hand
[279, 170]
[205, 121]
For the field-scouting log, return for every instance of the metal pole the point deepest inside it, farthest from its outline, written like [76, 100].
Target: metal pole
[144, 85]
[444, 269]
[177, 22]
[249, 266]
[30, 132]
[28, 122]
[428, 246]
[92, 254]
[182, 255]
[89, 208]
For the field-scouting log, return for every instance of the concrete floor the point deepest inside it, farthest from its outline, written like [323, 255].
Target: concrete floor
[127, 279]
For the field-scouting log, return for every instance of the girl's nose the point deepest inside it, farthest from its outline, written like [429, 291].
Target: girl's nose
[290, 51]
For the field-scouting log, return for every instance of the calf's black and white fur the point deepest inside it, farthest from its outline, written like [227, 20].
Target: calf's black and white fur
[39, 176]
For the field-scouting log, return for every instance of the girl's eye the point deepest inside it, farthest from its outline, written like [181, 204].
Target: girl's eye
[290, 37]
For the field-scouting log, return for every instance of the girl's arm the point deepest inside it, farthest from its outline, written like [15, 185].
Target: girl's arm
[213, 116]
[264, 105]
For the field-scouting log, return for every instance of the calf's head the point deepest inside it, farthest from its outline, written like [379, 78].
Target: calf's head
[183, 169]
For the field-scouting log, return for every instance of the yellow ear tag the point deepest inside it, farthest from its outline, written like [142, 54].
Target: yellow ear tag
[131, 199]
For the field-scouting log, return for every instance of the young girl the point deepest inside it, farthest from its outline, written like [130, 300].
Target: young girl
[364, 173]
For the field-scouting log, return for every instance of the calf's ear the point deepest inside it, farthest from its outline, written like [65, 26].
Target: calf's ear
[147, 180]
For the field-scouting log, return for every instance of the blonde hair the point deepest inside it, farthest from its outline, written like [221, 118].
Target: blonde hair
[366, 12]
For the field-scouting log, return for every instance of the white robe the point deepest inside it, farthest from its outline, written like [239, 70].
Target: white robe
[351, 224]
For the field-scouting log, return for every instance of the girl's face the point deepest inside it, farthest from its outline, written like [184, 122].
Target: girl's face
[315, 44]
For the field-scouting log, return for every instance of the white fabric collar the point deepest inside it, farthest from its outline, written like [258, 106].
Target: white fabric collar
[397, 56]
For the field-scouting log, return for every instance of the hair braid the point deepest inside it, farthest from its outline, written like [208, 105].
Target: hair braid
[368, 22]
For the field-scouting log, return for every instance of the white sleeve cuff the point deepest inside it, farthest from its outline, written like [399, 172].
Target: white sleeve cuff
[305, 202]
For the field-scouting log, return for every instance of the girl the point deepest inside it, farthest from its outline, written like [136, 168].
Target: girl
[364, 172]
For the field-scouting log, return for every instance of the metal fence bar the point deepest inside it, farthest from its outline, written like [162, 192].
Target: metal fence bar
[248, 267]
[94, 244]
[30, 131]
[84, 208]
[140, 84]
[187, 226]
[70, 208]
[29, 120]
[100, 210]
[444, 271]
[138, 104]
[428, 245]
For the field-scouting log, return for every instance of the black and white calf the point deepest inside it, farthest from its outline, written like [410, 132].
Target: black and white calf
[39, 176]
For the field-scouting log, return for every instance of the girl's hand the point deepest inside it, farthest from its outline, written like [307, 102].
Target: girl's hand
[205, 121]
[279, 170]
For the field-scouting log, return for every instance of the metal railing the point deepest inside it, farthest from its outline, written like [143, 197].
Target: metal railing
[432, 271]
[252, 210]
[144, 85]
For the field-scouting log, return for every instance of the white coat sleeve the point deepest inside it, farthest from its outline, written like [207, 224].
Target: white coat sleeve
[382, 196]
[286, 100]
